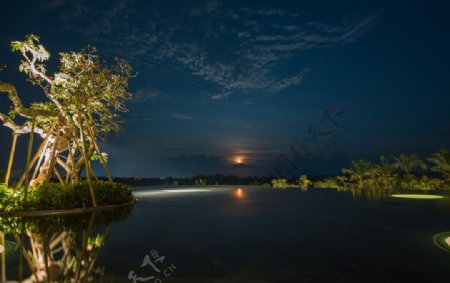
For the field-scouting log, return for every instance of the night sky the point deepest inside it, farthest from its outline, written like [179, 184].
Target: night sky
[233, 87]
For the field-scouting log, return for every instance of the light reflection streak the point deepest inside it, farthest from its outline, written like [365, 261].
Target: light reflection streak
[239, 193]
[150, 193]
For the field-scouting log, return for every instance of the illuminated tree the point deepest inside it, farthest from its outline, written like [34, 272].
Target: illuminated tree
[83, 102]
[383, 173]
[441, 163]
[407, 163]
[280, 183]
[304, 182]
[359, 171]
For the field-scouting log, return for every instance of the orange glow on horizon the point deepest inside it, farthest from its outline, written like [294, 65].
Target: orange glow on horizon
[238, 160]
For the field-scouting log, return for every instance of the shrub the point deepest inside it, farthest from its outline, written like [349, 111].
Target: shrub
[56, 196]
[304, 182]
[201, 182]
[280, 183]
[423, 183]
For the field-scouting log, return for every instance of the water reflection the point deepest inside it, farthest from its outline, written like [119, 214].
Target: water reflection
[372, 195]
[58, 249]
[239, 193]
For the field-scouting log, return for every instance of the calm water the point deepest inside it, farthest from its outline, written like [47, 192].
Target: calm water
[229, 235]
[265, 235]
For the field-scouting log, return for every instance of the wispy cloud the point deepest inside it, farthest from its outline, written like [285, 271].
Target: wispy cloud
[237, 50]
[145, 94]
[287, 82]
[265, 12]
[220, 95]
[180, 116]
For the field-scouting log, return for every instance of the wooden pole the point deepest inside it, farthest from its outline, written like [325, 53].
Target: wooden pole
[87, 162]
[38, 165]
[3, 257]
[52, 160]
[102, 159]
[27, 166]
[33, 161]
[61, 181]
[11, 158]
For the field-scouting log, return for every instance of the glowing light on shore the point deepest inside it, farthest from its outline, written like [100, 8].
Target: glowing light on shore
[186, 191]
[152, 193]
[413, 196]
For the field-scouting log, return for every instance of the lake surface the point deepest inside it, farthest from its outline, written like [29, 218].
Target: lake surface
[226, 234]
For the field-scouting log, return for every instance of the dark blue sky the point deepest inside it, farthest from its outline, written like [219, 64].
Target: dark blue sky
[219, 80]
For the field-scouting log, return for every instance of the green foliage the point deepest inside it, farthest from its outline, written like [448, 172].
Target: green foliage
[96, 157]
[407, 163]
[304, 182]
[441, 163]
[57, 196]
[362, 175]
[96, 242]
[201, 182]
[280, 183]
[10, 198]
[423, 183]
[338, 182]
[58, 224]
[359, 171]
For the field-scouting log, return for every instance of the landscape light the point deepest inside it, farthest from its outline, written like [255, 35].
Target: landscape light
[442, 240]
[417, 196]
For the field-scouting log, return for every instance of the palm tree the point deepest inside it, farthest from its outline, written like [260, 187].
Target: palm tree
[441, 162]
[407, 163]
[304, 182]
[358, 171]
[385, 171]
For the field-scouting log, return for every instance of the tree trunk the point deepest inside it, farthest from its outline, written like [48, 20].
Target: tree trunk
[11, 159]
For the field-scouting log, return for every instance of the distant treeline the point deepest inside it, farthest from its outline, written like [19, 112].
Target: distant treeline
[197, 180]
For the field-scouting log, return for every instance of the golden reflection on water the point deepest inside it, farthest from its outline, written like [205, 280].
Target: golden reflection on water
[58, 249]
[239, 193]
[370, 194]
